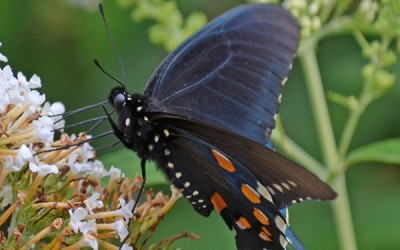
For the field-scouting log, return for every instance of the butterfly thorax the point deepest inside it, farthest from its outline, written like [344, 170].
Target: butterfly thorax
[134, 128]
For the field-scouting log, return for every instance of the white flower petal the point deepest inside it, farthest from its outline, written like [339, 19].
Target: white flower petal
[23, 82]
[10, 165]
[98, 170]
[90, 241]
[35, 98]
[93, 203]
[7, 79]
[33, 167]
[46, 169]
[115, 173]
[4, 99]
[126, 209]
[76, 218]
[15, 96]
[35, 82]
[56, 108]
[24, 155]
[2, 57]
[121, 228]
[43, 169]
[126, 247]
[6, 196]
[44, 128]
[80, 169]
[88, 226]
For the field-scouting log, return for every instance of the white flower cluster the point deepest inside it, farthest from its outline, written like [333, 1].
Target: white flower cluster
[19, 101]
[81, 220]
[26, 101]
[27, 125]
[307, 12]
[369, 8]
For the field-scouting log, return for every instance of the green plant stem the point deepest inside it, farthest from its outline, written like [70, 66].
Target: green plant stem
[342, 213]
[351, 125]
[341, 206]
[319, 106]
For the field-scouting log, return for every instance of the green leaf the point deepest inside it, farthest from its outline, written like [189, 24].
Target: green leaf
[387, 151]
[129, 163]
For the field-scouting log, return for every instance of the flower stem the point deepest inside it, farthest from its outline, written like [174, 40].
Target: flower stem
[102, 215]
[8, 213]
[319, 106]
[14, 139]
[79, 245]
[162, 212]
[37, 237]
[343, 218]
[351, 125]
[341, 206]
[106, 245]
[8, 152]
[33, 188]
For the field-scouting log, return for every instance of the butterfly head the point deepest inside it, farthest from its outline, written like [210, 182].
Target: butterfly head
[133, 125]
[119, 98]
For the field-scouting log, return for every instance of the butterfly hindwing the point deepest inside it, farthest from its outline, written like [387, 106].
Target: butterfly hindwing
[194, 175]
[243, 202]
[230, 73]
[285, 180]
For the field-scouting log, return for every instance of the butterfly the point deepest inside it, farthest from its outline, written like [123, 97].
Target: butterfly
[205, 118]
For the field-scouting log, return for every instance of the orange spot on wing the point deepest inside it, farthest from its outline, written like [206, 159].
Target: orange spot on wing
[264, 236]
[243, 223]
[250, 193]
[261, 216]
[223, 161]
[218, 202]
[265, 230]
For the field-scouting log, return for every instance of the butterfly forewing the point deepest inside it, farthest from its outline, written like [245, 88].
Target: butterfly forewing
[231, 72]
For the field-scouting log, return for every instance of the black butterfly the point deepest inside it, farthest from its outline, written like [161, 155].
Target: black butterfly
[207, 113]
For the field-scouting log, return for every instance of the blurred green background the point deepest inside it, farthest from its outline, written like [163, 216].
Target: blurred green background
[58, 42]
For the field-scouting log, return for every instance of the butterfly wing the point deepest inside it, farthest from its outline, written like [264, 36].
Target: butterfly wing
[201, 172]
[230, 73]
[286, 181]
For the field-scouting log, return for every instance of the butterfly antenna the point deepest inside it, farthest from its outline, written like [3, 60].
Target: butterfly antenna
[113, 44]
[108, 74]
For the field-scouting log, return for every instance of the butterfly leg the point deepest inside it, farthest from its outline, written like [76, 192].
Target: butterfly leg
[143, 168]
[120, 136]
[116, 130]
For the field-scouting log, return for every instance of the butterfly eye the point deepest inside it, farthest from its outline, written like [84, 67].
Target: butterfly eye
[119, 100]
